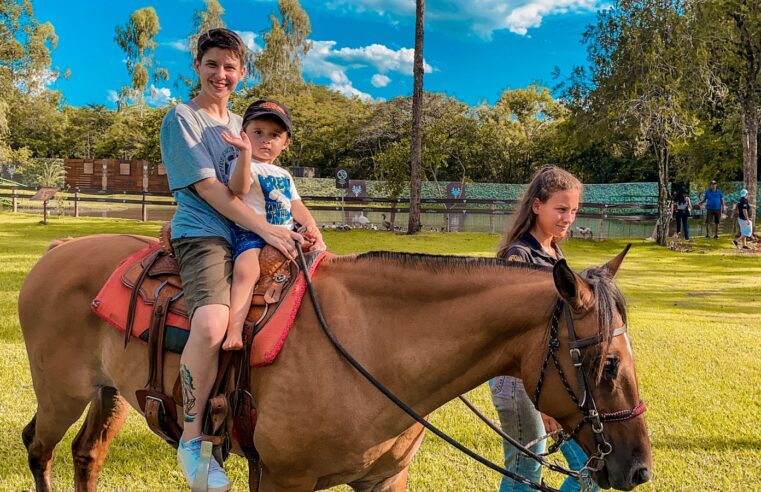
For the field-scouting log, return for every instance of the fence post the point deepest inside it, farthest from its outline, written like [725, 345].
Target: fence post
[14, 200]
[601, 233]
[144, 209]
[491, 217]
[76, 202]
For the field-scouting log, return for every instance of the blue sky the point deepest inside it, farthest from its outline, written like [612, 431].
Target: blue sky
[474, 49]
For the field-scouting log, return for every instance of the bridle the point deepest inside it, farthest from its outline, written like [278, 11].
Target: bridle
[584, 400]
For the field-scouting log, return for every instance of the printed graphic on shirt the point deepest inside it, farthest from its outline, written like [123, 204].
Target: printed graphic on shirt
[226, 159]
[277, 198]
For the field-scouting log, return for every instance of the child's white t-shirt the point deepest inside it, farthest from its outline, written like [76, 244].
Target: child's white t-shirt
[272, 191]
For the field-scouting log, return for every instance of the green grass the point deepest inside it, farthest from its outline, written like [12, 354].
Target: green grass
[694, 322]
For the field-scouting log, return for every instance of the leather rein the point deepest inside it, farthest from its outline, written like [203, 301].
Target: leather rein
[586, 404]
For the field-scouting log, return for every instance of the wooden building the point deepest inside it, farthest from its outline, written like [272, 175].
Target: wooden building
[116, 175]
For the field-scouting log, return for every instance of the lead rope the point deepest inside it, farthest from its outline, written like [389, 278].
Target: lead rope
[406, 409]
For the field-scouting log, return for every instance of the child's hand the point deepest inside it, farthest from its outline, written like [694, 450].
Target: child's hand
[243, 144]
[314, 236]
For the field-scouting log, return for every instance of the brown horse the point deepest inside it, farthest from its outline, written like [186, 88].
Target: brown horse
[430, 328]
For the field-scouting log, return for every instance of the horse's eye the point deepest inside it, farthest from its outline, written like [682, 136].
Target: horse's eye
[610, 371]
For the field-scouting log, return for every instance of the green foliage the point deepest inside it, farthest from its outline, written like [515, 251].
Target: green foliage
[43, 172]
[278, 65]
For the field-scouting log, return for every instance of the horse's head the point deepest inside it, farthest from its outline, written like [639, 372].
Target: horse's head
[591, 386]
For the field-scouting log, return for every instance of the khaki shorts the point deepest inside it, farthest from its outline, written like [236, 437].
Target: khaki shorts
[206, 270]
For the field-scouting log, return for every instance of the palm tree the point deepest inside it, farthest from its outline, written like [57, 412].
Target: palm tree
[416, 163]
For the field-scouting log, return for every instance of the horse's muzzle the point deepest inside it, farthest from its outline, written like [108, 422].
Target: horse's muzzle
[637, 475]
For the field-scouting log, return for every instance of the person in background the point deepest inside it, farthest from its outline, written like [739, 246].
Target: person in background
[680, 210]
[715, 208]
[743, 220]
[544, 217]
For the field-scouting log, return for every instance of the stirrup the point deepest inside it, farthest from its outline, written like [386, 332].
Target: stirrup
[201, 480]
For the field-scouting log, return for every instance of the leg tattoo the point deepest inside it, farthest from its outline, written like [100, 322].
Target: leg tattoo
[188, 397]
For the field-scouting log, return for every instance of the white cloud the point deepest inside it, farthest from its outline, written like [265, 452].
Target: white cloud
[113, 96]
[179, 45]
[382, 58]
[323, 60]
[379, 80]
[159, 96]
[351, 91]
[249, 37]
[481, 17]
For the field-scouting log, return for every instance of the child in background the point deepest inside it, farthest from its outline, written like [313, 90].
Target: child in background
[268, 189]
[743, 219]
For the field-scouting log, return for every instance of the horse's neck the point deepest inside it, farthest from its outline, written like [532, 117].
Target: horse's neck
[433, 336]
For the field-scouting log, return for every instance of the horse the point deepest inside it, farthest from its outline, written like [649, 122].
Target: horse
[428, 327]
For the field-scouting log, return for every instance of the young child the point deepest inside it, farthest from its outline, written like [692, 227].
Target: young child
[743, 219]
[543, 217]
[267, 189]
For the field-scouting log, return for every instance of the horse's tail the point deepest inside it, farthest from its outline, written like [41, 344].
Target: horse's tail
[58, 242]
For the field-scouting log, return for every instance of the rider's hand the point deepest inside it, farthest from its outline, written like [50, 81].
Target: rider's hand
[550, 425]
[243, 144]
[282, 239]
[313, 235]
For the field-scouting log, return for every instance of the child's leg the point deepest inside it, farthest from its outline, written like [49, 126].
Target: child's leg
[245, 276]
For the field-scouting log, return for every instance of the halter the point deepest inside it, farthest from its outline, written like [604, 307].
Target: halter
[585, 402]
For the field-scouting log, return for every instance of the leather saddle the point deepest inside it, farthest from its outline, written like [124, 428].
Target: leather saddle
[155, 281]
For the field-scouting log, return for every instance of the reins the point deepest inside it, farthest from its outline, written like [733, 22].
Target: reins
[409, 411]
[586, 405]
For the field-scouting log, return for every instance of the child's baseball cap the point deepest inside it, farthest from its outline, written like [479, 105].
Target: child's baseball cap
[743, 193]
[271, 107]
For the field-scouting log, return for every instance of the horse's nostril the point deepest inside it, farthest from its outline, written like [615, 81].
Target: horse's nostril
[640, 476]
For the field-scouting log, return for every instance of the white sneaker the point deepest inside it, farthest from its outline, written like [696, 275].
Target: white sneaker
[188, 456]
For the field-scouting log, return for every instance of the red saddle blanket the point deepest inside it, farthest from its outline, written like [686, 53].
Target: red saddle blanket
[112, 302]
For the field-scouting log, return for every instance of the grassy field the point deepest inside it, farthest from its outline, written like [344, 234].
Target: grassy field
[694, 322]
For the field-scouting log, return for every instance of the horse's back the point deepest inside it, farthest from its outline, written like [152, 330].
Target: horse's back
[56, 294]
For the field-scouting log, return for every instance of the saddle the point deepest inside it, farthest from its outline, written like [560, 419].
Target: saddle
[155, 281]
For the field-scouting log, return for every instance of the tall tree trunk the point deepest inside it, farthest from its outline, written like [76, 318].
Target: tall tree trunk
[416, 163]
[750, 152]
[664, 217]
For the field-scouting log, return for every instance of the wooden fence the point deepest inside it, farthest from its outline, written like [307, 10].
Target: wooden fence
[493, 208]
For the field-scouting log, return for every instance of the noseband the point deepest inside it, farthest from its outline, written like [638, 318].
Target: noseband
[584, 400]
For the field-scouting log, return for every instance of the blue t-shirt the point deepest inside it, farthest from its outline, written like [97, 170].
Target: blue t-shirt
[713, 199]
[192, 149]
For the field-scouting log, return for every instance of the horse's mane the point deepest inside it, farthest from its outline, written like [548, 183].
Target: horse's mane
[442, 263]
[609, 300]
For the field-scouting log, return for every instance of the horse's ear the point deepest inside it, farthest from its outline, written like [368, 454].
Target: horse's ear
[572, 288]
[613, 265]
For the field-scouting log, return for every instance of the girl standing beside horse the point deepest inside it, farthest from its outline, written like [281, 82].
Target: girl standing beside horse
[544, 216]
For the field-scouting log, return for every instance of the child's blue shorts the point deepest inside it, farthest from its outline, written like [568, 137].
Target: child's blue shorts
[243, 240]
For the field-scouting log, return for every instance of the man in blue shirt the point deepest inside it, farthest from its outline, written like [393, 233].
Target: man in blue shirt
[715, 208]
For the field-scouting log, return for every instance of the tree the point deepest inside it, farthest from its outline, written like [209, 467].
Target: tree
[417, 129]
[278, 65]
[85, 129]
[641, 52]
[731, 32]
[136, 39]
[25, 47]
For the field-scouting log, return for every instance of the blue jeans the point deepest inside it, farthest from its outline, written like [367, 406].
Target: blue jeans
[520, 420]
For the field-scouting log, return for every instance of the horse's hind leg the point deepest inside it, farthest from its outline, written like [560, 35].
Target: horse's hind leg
[107, 413]
[44, 432]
